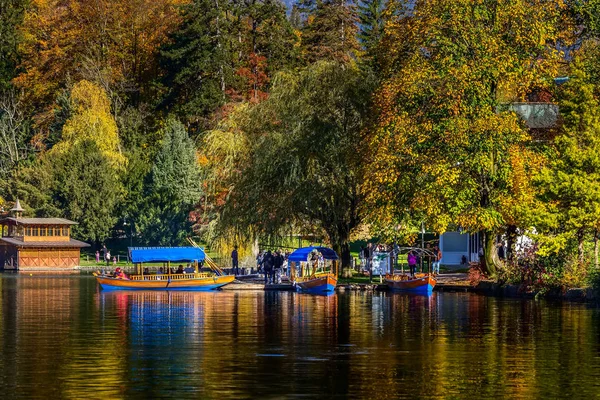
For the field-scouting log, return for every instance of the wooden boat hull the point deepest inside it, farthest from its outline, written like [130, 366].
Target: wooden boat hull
[320, 284]
[200, 284]
[421, 285]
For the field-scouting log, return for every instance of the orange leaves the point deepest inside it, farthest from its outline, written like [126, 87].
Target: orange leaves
[112, 43]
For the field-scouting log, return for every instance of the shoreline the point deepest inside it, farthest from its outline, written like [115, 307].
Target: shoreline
[452, 282]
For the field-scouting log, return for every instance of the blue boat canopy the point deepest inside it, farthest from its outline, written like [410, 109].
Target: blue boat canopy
[164, 254]
[302, 253]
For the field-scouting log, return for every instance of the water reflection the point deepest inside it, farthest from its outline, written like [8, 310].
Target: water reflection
[62, 337]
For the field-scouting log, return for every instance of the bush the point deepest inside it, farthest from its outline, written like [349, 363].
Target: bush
[534, 272]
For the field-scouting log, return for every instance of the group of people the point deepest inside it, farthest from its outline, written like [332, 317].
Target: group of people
[271, 264]
[435, 256]
[106, 257]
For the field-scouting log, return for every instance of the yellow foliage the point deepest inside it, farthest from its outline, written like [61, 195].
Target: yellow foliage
[92, 120]
[444, 146]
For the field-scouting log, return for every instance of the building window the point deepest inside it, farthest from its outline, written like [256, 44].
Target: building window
[50, 231]
[42, 231]
[27, 231]
[65, 231]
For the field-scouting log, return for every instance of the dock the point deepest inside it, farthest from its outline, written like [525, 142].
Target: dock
[450, 282]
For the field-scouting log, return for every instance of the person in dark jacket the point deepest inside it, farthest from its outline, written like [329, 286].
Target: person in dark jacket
[368, 253]
[268, 263]
[234, 261]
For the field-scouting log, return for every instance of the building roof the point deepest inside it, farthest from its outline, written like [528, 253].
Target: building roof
[40, 221]
[17, 207]
[71, 243]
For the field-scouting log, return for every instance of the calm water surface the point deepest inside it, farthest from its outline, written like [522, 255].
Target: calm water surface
[61, 337]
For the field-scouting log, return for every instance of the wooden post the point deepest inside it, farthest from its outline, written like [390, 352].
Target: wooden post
[168, 267]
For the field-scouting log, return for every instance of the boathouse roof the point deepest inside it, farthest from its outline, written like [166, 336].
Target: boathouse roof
[40, 221]
[53, 243]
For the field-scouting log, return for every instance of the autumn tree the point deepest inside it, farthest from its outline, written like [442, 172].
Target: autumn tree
[299, 163]
[91, 120]
[14, 133]
[445, 138]
[268, 45]
[113, 44]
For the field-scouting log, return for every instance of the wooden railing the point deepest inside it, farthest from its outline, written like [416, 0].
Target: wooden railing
[309, 277]
[173, 277]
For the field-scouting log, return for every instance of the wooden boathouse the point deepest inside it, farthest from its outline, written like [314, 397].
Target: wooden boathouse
[37, 243]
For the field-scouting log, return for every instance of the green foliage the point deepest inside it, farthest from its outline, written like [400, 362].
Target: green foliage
[329, 32]
[11, 16]
[225, 50]
[371, 22]
[587, 16]
[172, 191]
[570, 183]
[197, 61]
[85, 189]
[301, 166]
[445, 147]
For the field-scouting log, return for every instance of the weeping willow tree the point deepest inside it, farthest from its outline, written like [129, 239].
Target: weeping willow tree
[295, 161]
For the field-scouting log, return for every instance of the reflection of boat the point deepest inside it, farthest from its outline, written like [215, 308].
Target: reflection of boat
[310, 279]
[421, 283]
[193, 280]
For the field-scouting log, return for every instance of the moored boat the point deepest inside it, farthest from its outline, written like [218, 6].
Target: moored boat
[313, 277]
[191, 279]
[420, 283]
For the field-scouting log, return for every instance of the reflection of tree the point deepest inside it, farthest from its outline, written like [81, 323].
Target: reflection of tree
[74, 341]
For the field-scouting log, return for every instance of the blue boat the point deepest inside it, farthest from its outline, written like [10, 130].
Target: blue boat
[310, 279]
[192, 281]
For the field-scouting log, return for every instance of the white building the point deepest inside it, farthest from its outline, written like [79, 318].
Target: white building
[455, 245]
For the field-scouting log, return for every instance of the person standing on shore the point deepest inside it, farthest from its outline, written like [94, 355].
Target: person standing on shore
[278, 264]
[412, 262]
[107, 258]
[369, 260]
[97, 257]
[234, 261]
[438, 259]
[268, 267]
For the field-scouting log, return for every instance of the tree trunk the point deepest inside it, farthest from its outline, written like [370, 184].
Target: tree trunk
[511, 239]
[580, 247]
[339, 243]
[489, 248]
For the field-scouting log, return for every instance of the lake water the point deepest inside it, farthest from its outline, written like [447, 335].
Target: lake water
[61, 337]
